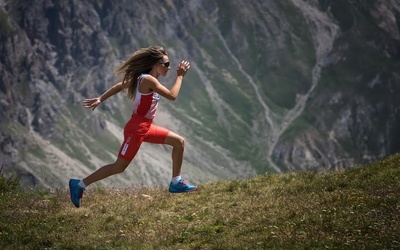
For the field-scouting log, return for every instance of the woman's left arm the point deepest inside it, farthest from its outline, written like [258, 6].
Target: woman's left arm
[172, 93]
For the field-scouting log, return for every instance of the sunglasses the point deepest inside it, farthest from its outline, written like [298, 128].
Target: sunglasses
[166, 64]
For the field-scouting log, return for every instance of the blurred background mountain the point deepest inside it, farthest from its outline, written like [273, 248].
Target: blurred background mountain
[274, 86]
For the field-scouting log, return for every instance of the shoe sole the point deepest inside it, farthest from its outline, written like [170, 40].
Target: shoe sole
[184, 191]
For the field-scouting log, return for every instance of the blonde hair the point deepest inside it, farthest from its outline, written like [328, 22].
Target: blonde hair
[139, 62]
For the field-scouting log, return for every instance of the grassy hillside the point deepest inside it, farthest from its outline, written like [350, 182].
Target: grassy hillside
[357, 208]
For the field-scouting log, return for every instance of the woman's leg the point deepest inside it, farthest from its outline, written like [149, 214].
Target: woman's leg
[178, 147]
[76, 188]
[160, 135]
[134, 134]
[115, 168]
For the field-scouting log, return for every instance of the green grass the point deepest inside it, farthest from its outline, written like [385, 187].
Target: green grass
[8, 184]
[352, 209]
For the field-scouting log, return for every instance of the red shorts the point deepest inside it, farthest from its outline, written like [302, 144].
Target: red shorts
[137, 130]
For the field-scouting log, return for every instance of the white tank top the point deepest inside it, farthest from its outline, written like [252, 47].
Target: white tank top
[145, 104]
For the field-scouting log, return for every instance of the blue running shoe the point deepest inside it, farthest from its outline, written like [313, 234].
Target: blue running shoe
[181, 187]
[76, 192]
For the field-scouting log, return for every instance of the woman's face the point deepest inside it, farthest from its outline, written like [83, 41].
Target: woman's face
[164, 67]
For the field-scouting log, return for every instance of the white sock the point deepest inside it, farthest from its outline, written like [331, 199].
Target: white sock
[82, 184]
[176, 179]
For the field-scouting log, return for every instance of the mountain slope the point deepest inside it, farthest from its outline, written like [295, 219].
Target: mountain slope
[352, 111]
[273, 87]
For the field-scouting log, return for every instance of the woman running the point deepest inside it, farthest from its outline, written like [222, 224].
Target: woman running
[141, 71]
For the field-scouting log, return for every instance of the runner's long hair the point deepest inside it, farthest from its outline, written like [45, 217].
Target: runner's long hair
[139, 62]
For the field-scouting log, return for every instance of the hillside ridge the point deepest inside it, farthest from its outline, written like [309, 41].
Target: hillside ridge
[356, 208]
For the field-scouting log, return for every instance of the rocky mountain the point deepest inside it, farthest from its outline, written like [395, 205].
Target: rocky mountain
[274, 86]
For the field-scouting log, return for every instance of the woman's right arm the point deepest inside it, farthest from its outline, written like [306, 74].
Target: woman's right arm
[94, 102]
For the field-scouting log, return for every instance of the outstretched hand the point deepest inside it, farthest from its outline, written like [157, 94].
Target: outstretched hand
[91, 103]
[182, 68]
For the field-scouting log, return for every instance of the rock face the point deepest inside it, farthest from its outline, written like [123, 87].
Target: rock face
[274, 86]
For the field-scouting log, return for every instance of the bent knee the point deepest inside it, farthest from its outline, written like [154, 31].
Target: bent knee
[179, 142]
[175, 140]
[182, 141]
[119, 169]
[120, 166]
